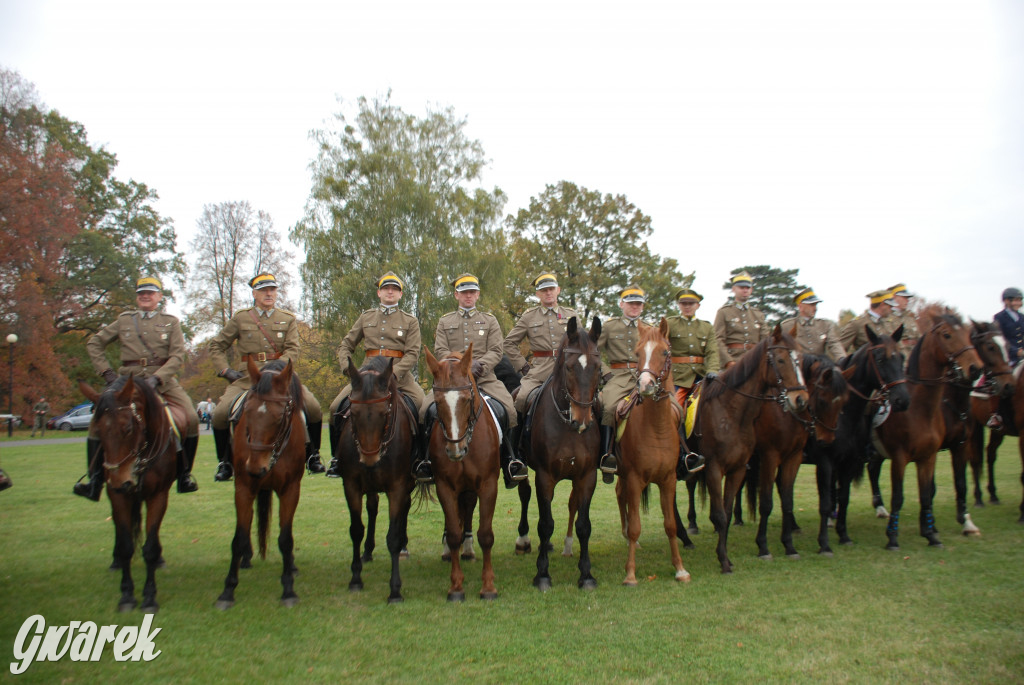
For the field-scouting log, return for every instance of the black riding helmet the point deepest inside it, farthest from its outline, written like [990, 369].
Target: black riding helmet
[1012, 294]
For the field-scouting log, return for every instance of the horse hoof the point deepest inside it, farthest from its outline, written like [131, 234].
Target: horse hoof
[397, 599]
[766, 557]
[846, 543]
[881, 513]
[979, 504]
[737, 523]
[446, 556]
[797, 531]
[125, 607]
[892, 547]
[355, 587]
[224, 604]
[794, 555]
[830, 524]
[683, 576]
[468, 557]
[456, 596]
[404, 554]
[289, 602]
[115, 565]
[542, 584]
[489, 596]
[630, 583]
[523, 549]
[160, 563]
[588, 584]
[693, 531]
[726, 571]
[150, 608]
[825, 553]
[994, 500]
[366, 558]
[245, 563]
[935, 542]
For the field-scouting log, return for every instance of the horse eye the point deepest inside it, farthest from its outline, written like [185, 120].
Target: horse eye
[947, 336]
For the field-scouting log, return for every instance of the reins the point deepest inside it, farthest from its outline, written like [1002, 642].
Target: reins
[284, 430]
[143, 460]
[955, 374]
[566, 414]
[473, 416]
[390, 425]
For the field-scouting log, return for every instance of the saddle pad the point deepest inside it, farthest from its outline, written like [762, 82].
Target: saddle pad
[881, 414]
[494, 417]
[174, 425]
[691, 408]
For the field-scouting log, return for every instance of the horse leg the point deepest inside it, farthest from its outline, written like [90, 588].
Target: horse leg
[545, 528]
[899, 467]
[573, 507]
[823, 476]
[733, 483]
[785, 481]
[452, 536]
[354, 500]
[372, 507]
[765, 484]
[842, 495]
[124, 548]
[977, 461]
[628, 489]
[737, 508]
[585, 487]
[874, 473]
[399, 503]
[680, 528]
[241, 543]
[995, 438]
[156, 507]
[485, 535]
[523, 544]
[467, 504]
[667, 490]
[288, 502]
[926, 494]
[958, 460]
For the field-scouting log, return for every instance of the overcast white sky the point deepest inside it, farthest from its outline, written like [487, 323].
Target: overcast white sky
[865, 143]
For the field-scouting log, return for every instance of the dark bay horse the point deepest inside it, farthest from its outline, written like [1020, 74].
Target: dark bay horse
[724, 430]
[375, 453]
[943, 355]
[138, 445]
[269, 456]
[464, 449]
[1011, 411]
[650, 448]
[565, 441]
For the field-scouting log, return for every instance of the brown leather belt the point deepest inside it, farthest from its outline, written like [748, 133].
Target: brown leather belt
[544, 353]
[623, 365]
[741, 346]
[687, 360]
[261, 356]
[145, 362]
[397, 354]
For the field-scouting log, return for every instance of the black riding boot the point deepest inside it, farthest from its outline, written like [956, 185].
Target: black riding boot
[421, 469]
[313, 463]
[94, 486]
[222, 441]
[689, 462]
[608, 465]
[334, 428]
[187, 457]
[513, 469]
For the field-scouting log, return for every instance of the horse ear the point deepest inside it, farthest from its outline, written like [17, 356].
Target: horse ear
[466, 365]
[595, 329]
[127, 391]
[88, 391]
[872, 336]
[663, 327]
[385, 377]
[254, 372]
[431, 362]
[826, 376]
[792, 331]
[848, 372]
[898, 334]
[777, 333]
[571, 328]
[354, 376]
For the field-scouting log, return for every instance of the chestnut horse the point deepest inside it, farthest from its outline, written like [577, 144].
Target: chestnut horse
[942, 356]
[724, 426]
[375, 453]
[269, 456]
[650, 447]
[138, 445]
[464, 449]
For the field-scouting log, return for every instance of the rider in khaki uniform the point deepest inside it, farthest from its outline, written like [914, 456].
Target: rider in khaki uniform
[455, 331]
[385, 331]
[263, 333]
[739, 325]
[814, 335]
[152, 350]
[543, 327]
[901, 314]
[852, 336]
[693, 345]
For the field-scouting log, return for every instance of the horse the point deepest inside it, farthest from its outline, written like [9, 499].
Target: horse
[564, 442]
[269, 449]
[724, 426]
[649, 445]
[938, 359]
[782, 438]
[464, 447]
[375, 455]
[139, 449]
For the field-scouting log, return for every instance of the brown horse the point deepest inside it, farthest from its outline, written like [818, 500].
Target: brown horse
[943, 355]
[564, 443]
[138, 447]
[269, 456]
[464, 449]
[375, 455]
[724, 429]
[650, 448]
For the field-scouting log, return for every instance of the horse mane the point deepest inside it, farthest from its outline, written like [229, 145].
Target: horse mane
[739, 374]
[931, 316]
[375, 364]
[265, 385]
[839, 383]
[108, 401]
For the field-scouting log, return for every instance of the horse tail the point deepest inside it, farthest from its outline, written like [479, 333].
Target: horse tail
[645, 497]
[424, 494]
[264, 502]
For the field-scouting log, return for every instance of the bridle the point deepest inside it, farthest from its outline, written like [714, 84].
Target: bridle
[143, 459]
[881, 394]
[659, 391]
[955, 373]
[390, 425]
[782, 397]
[473, 416]
[284, 428]
[566, 414]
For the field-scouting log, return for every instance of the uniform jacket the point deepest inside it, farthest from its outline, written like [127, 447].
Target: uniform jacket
[692, 338]
[281, 325]
[617, 344]
[379, 331]
[735, 324]
[911, 333]
[1013, 334]
[816, 336]
[41, 408]
[143, 339]
[543, 328]
[455, 332]
[853, 336]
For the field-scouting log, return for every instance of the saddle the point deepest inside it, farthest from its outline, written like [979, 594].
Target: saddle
[531, 408]
[625, 407]
[498, 411]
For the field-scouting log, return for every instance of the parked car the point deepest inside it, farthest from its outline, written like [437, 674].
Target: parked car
[76, 418]
[5, 417]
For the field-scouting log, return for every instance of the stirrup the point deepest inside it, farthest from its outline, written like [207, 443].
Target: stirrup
[333, 469]
[224, 472]
[995, 421]
[701, 462]
[609, 465]
[423, 473]
[186, 483]
[313, 463]
[87, 489]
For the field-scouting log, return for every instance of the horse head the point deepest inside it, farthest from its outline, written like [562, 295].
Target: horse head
[456, 397]
[829, 391]
[578, 369]
[268, 414]
[120, 419]
[988, 342]
[784, 361]
[373, 402]
[654, 361]
[946, 345]
[880, 368]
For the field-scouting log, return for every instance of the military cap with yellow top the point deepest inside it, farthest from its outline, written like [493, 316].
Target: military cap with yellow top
[466, 282]
[806, 296]
[633, 293]
[688, 295]
[545, 280]
[263, 280]
[390, 278]
[148, 284]
[742, 278]
[879, 296]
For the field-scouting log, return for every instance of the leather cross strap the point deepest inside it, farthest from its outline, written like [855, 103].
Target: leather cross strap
[263, 330]
[397, 354]
[261, 357]
[544, 353]
[156, 361]
[745, 346]
[687, 360]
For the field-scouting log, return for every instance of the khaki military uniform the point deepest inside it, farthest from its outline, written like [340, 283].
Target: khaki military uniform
[738, 328]
[617, 345]
[282, 327]
[816, 336]
[39, 412]
[544, 329]
[694, 350]
[911, 333]
[853, 336]
[390, 332]
[455, 332]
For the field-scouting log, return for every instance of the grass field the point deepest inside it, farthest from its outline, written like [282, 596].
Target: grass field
[866, 615]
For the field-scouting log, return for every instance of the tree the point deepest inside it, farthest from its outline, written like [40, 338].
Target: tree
[393, 191]
[233, 243]
[597, 245]
[774, 290]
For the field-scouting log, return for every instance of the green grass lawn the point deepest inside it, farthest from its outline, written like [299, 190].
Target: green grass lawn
[866, 615]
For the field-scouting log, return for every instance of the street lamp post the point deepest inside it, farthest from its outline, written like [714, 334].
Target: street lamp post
[11, 340]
